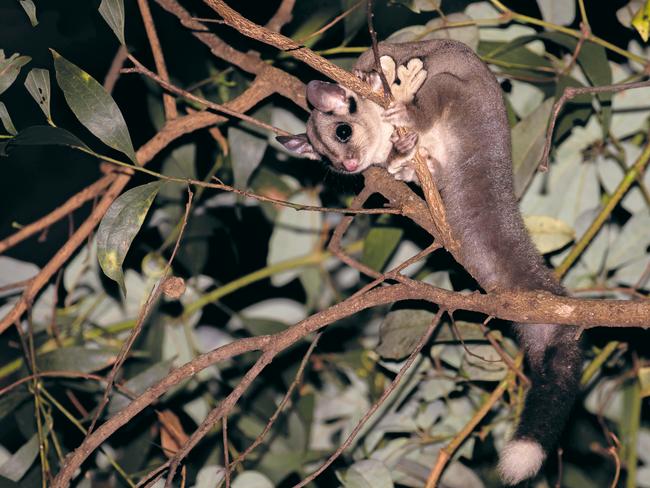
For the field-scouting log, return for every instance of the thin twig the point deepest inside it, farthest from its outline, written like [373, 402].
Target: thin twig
[169, 104]
[570, 92]
[294, 384]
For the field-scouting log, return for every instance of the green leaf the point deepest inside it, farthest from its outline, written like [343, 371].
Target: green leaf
[30, 9]
[119, 227]
[113, 13]
[528, 138]
[246, 153]
[592, 58]
[400, 332]
[6, 120]
[379, 245]
[18, 464]
[549, 234]
[575, 112]
[38, 86]
[9, 69]
[45, 135]
[210, 476]
[93, 106]
[517, 59]
[76, 358]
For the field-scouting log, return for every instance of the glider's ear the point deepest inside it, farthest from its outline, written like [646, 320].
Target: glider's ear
[327, 97]
[299, 144]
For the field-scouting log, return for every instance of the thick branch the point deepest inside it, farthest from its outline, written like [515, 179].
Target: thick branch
[521, 307]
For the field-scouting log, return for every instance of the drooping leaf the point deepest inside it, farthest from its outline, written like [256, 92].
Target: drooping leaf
[295, 234]
[632, 242]
[592, 58]
[549, 234]
[138, 384]
[38, 86]
[113, 13]
[119, 227]
[76, 358]
[30, 9]
[419, 6]
[246, 153]
[6, 120]
[9, 69]
[379, 244]
[19, 463]
[46, 135]
[400, 332]
[367, 473]
[575, 112]
[251, 479]
[516, 58]
[483, 364]
[210, 476]
[626, 12]
[93, 106]
[558, 12]
[528, 138]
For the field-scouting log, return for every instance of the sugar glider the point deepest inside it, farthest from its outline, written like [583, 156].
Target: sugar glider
[452, 106]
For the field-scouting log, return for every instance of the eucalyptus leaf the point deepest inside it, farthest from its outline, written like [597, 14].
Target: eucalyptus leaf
[626, 12]
[246, 153]
[210, 476]
[20, 462]
[401, 330]
[549, 234]
[6, 120]
[251, 479]
[113, 13]
[296, 233]
[46, 135]
[528, 138]
[38, 86]
[9, 69]
[379, 244]
[483, 364]
[560, 12]
[93, 106]
[419, 6]
[632, 242]
[30, 9]
[119, 227]
[368, 473]
[76, 358]
[436, 29]
[138, 384]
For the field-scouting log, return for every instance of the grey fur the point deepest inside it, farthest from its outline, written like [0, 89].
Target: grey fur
[460, 119]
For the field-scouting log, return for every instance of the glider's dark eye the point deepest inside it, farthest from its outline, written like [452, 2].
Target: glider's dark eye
[343, 132]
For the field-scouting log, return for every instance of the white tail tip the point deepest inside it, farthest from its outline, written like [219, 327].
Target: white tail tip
[520, 460]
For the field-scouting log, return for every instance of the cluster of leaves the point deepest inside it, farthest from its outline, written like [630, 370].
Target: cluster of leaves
[254, 268]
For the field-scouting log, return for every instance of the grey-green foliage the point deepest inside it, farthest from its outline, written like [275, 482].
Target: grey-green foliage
[231, 242]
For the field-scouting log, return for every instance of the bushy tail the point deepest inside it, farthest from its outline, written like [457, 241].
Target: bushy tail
[554, 359]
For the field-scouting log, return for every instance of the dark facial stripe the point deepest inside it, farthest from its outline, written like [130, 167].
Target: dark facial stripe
[352, 105]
